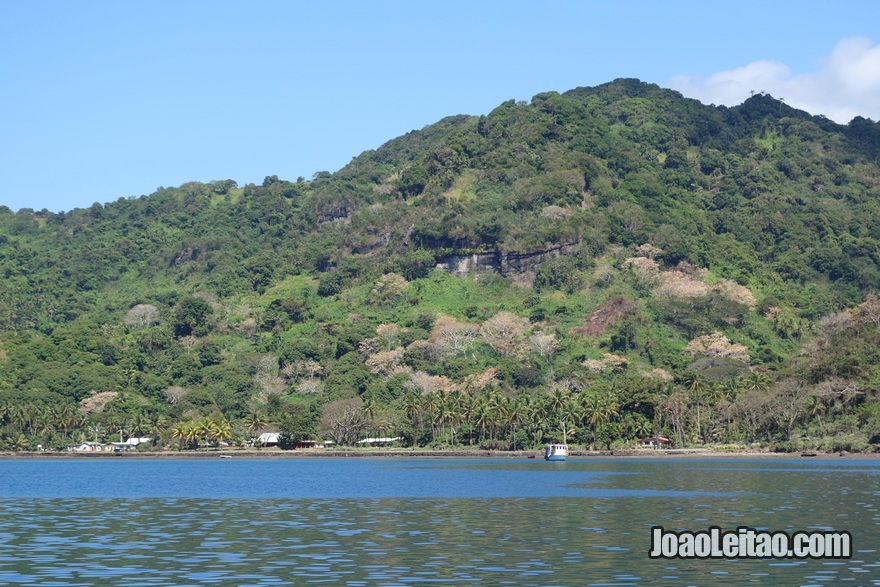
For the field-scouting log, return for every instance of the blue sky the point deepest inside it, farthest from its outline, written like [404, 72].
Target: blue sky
[102, 100]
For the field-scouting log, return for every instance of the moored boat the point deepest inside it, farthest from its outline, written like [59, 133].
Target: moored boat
[555, 452]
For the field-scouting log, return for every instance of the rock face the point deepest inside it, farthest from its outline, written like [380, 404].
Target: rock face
[511, 263]
[461, 266]
[335, 213]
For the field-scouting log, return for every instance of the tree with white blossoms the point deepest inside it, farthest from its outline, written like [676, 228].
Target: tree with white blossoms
[174, 394]
[385, 362]
[389, 333]
[544, 345]
[309, 387]
[266, 378]
[502, 331]
[452, 337]
[717, 345]
[422, 383]
[142, 316]
[307, 368]
[388, 289]
[645, 270]
[343, 421]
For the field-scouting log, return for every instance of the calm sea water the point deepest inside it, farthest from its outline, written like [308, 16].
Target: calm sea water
[406, 522]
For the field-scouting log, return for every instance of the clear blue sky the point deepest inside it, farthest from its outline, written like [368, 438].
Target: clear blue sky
[102, 100]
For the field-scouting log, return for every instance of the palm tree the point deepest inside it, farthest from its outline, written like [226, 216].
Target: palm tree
[255, 420]
[467, 409]
[429, 408]
[138, 425]
[66, 419]
[156, 424]
[697, 389]
[570, 416]
[815, 408]
[221, 430]
[185, 432]
[482, 418]
[499, 416]
[557, 400]
[18, 415]
[369, 410]
[536, 417]
[593, 412]
[515, 413]
[599, 406]
[455, 413]
[206, 428]
[732, 388]
[758, 381]
[17, 442]
[412, 405]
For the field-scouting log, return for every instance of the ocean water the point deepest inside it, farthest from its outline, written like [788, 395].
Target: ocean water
[403, 522]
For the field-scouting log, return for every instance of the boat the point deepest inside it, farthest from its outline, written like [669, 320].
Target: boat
[555, 452]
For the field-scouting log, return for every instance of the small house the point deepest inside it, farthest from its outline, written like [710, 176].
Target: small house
[655, 442]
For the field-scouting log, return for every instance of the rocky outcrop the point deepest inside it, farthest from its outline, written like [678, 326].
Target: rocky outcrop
[462, 265]
[511, 263]
[336, 213]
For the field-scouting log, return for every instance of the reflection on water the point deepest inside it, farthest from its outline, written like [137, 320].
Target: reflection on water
[592, 529]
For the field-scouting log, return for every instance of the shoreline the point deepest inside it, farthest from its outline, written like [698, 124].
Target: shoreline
[261, 454]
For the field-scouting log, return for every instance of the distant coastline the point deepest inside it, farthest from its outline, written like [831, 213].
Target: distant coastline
[404, 453]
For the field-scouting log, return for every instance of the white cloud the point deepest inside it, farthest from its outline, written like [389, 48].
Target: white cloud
[845, 84]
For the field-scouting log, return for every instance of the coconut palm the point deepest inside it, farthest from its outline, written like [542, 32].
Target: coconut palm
[255, 420]
[482, 418]
[516, 412]
[221, 430]
[697, 389]
[412, 406]
[815, 408]
[599, 406]
[758, 381]
[156, 424]
[569, 417]
[17, 442]
[467, 408]
[185, 432]
[369, 411]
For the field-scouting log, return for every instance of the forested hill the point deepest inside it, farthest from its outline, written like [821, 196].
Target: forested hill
[634, 259]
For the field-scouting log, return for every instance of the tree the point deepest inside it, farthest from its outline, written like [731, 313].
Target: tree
[599, 407]
[343, 421]
[185, 433]
[255, 420]
[502, 331]
[697, 390]
[455, 337]
[388, 289]
[413, 181]
[142, 316]
[191, 317]
[544, 345]
[296, 426]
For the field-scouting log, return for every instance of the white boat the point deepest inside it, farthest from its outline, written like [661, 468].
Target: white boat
[555, 452]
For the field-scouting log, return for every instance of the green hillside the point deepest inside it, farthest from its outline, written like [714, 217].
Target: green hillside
[600, 265]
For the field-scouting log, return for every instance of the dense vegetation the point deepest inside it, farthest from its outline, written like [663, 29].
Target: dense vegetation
[601, 265]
